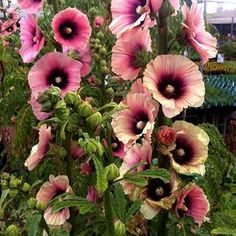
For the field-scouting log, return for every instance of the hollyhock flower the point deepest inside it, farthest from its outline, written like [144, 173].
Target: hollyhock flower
[38, 151]
[129, 14]
[49, 190]
[158, 195]
[92, 80]
[98, 21]
[76, 150]
[31, 6]
[8, 27]
[71, 28]
[32, 39]
[191, 149]
[195, 34]
[156, 5]
[137, 120]
[175, 82]
[118, 148]
[86, 168]
[127, 50]
[54, 69]
[13, 14]
[192, 202]
[166, 135]
[92, 195]
[138, 87]
[136, 154]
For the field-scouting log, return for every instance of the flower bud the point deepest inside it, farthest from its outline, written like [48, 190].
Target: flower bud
[12, 230]
[41, 206]
[103, 51]
[105, 70]
[95, 119]
[13, 193]
[70, 98]
[110, 92]
[14, 183]
[47, 106]
[25, 188]
[71, 127]
[1, 213]
[4, 184]
[5, 176]
[85, 109]
[103, 63]
[61, 112]
[100, 35]
[32, 202]
[120, 229]
[166, 135]
[112, 172]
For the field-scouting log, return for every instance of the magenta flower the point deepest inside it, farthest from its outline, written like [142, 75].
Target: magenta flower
[127, 50]
[49, 190]
[175, 82]
[38, 151]
[32, 39]
[30, 6]
[192, 202]
[13, 14]
[98, 22]
[129, 14]
[55, 69]
[195, 34]
[92, 195]
[71, 28]
[137, 120]
[8, 27]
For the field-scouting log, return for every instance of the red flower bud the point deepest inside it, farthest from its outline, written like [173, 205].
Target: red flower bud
[166, 135]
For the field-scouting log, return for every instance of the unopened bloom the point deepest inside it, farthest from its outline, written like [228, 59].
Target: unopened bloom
[71, 28]
[166, 135]
[31, 6]
[38, 151]
[195, 34]
[175, 82]
[32, 39]
[192, 202]
[98, 21]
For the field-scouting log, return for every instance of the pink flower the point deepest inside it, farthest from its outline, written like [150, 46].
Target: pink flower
[49, 190]
[98, 21]
[38, 151]
[86, 168]
[192, 202]
[13, 14]
[195, 34]
[71, 28]
[32, 39]
[76, 150]
[126, 51]
[92, 195]
[175, 82]
[136, 154]
[129, 14]
[166, 135]
[138, 87]
[31, 6]
[118, 148]
[8, 27]
[137, 120]
[92, 80]
[54, 69]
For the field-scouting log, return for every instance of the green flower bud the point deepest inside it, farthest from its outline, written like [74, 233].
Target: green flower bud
[1, 213]
[70, 98]
[95, 119]
[32, 202]
[71, 127]
[91, 147]
[105, 70]
[97, 41]
[13, 192]
[103, 63]
[61, 112]
[41, 206]
[14, 183]
[47, 106]
[96, 45]
[92, 11]
[12, 230]
[25, 188]
[110, 92]
[60, 105]
[5, 176]
[120, 229]
[112, 172]
[4, 184]
[100, 35]
[85, 109]
[96, 57]
[103, 51]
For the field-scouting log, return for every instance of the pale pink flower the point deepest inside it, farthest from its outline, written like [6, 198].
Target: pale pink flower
[49, 190]
[192, 202]
[13, 14]
[195, 34]
[175, 82]
[32, 39]
[31, 6]
[71, 28]
[126, 51]
[38, 151]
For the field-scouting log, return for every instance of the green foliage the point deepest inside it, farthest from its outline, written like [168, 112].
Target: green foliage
[33, 224]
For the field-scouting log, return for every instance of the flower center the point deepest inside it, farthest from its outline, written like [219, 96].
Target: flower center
[114, 145]
[140, 10]
[159, 191]
[58, 80]
[68, 30]
[140, 125]
[180, 152]
[169, 89]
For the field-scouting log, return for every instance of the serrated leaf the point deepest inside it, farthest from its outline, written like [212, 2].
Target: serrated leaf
[3, 196]
[83, 204]
[119, 201]
[102, 183]
[34, 224]
[223, 231]
[134, 207]
[139, 181]
[161, 173]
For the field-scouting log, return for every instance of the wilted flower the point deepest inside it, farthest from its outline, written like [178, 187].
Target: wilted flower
[38, 151]
[32, 39]
[175, 82]
[71, 28]
[31, 6]
[192, 202]
[126, 51]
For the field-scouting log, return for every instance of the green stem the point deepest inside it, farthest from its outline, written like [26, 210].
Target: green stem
[108, 213]
[162, 223]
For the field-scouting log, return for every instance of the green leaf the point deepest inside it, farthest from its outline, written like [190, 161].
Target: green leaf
[37, 182]
[33, 224]
[83, 204]
[134, 207]
[223, 231]
[139, 181]
[102, 183]
[3, 196]
[162, 174]
[119, 201]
